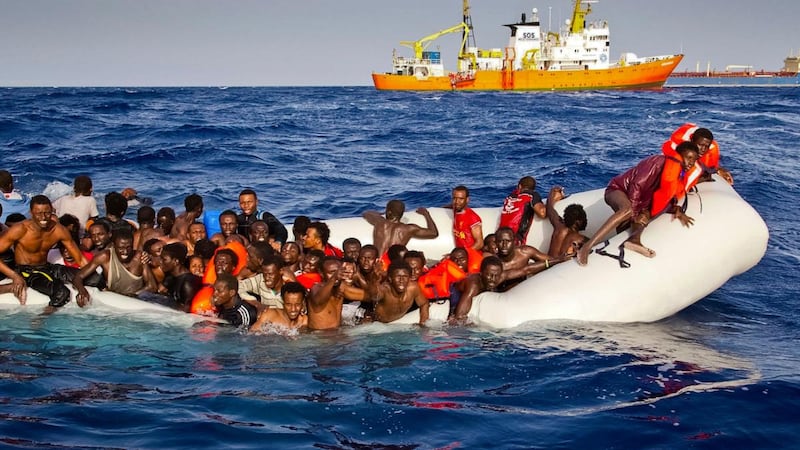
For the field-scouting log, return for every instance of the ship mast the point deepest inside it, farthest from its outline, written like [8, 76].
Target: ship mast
[468, 35]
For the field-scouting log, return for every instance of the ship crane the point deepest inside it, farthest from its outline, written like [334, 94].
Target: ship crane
[422, 44]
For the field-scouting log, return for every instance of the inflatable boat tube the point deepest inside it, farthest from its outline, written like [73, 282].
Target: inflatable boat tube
[728, 238]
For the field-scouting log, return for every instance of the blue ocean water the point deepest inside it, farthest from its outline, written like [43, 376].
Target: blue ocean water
[723, 373]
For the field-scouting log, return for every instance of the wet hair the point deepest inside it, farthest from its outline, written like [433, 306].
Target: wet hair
[102, 223]
[205, 248]
[273, 259]
[262, 250]
[396, 208]
[193, 202]
[396, 251]
[491, 261]
[116, 204]
[122, 233]
[167, 212]
[323, 231]
[148, 245]
[503, 230]
[176, 251]
[527, 183]
[6, 181]
[462, 188]
[82, 185]
[229, 280]
[574, 213]
[293, 287]
[40, 200]
[319, 254]
[72, 224]
[351, 240]
[300, 225]
[414, 254]
[248, 192]
[146, 214]
[702, 133]
[226, 251]
[369, 247]
[398, 265]
[13, 218]
[687, 146]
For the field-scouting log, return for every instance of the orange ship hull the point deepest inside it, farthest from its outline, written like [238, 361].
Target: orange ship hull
[638, 76]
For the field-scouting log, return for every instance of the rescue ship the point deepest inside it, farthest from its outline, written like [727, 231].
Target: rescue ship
[577, 58]
[740, 76]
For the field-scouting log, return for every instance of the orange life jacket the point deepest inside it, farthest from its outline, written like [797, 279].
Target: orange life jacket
[709, 161]
[203, 303]
[435, 283]
[675, 182]
[474, 258]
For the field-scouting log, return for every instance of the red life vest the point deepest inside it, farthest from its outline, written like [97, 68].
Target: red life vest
[513, 211]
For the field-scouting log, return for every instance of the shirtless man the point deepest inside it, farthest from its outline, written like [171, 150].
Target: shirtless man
[351, 247]
[326, 297]
[31, 240]
[165, 218]
[292, 255]
[395, 297]
[146, 216]
[390, 230]
[123, 268]
[489, 278]
[516, 259]
[567, 237]
[291, 315]
[194, 209]
[196, 232]
[228, 226]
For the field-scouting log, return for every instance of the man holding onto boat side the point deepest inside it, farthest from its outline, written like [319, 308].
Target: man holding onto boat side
[123, 268]
[516, 259]
[389, 230]
[488, 280]
[706, 146]
[398, 295]
[32, 239]
[644, 192]
[291, 316]
[326, 297]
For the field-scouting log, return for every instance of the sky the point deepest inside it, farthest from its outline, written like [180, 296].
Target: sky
[341, 42]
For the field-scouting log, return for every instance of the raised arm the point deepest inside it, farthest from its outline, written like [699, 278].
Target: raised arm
[430, 231]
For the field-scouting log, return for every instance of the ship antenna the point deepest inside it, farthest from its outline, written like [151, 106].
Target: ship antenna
[467, 19]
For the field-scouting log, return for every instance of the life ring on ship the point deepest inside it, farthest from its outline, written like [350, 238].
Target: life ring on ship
[603, 57]
[421, 71]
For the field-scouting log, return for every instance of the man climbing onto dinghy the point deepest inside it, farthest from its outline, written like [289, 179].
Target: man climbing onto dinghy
[706, 146]
[567, 237]
[643, 192]
[520, 207]
[390, 230]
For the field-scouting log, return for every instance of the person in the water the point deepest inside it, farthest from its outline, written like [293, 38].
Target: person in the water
[291, 316]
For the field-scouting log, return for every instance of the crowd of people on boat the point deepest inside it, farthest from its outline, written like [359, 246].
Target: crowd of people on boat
[244, 268]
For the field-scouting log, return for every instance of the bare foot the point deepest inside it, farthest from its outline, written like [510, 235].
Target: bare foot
[639, 248]
[583, 255]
